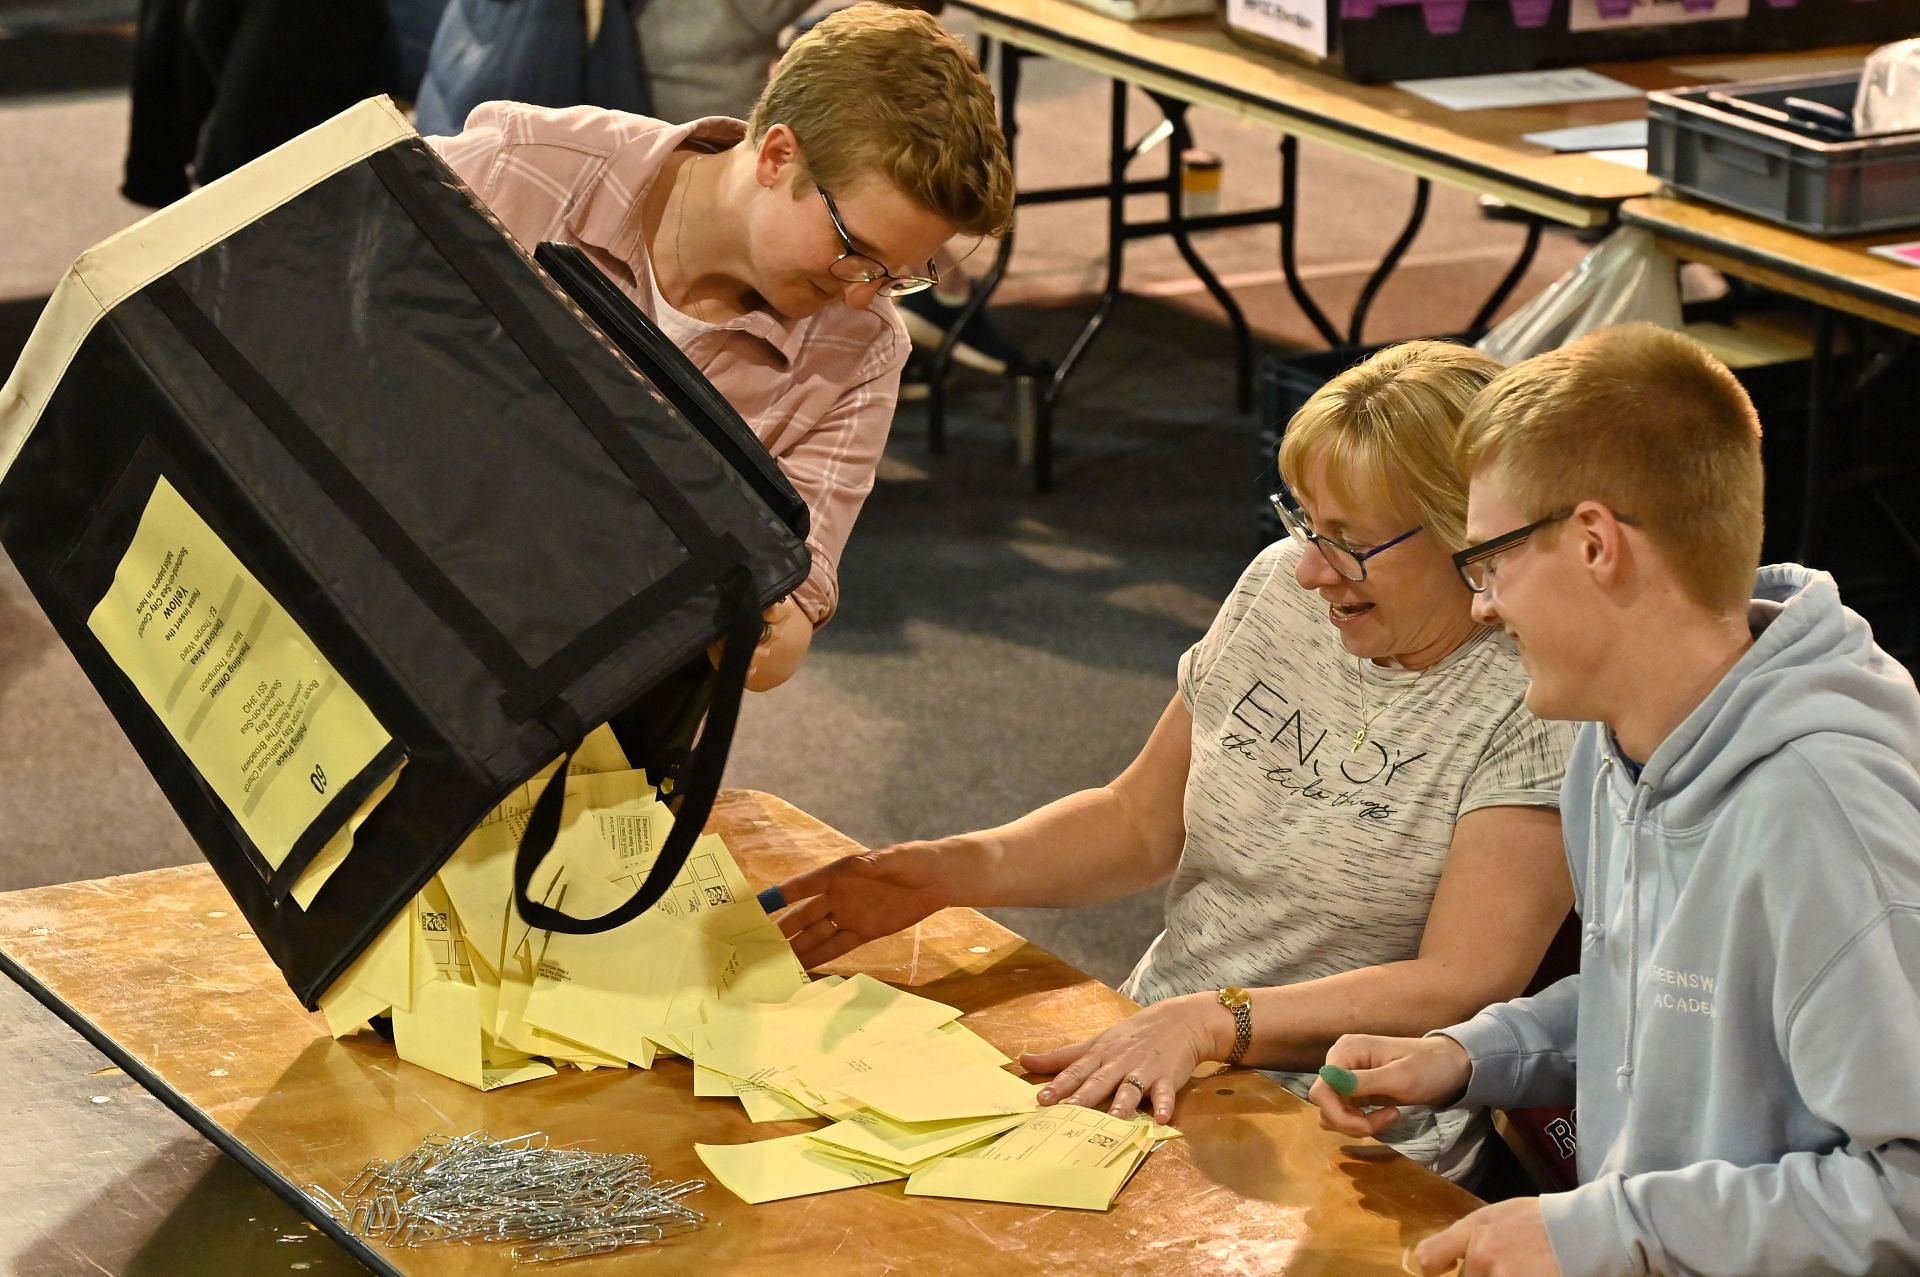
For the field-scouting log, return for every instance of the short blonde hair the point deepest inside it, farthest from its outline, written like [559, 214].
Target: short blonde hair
[1648, 422]
[878, 90]
[1385, 431]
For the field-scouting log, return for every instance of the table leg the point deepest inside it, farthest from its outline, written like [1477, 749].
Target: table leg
[1422, 190]
[1289, 223]
[1176, 114]
[982, 291]
[1040, 384]
[1511, 280]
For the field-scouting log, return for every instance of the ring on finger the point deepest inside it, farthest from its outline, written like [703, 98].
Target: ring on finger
[1135, 1081]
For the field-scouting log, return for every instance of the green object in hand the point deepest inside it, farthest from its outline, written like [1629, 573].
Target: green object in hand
[1341, 1080]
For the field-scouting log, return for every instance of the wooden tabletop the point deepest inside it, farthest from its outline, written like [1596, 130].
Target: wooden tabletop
[1836, 273]
[160, 971]
[1195, 61]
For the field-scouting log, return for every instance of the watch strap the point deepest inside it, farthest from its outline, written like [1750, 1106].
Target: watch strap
[1242, 1026]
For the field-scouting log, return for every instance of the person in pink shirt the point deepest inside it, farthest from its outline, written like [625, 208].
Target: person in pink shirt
[767, 249]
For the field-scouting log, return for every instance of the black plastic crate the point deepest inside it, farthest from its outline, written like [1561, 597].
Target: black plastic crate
[1765, 149]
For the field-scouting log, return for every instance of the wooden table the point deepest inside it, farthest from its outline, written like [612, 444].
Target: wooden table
[159, 971]
[1193, 62]
[1834, 274]
[1480, 151]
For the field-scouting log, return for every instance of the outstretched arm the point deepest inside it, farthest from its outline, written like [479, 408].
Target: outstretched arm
[1095, 845]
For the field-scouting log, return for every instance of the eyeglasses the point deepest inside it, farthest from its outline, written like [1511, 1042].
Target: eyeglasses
[1476, 562]
[1342, 558]
[855, 267]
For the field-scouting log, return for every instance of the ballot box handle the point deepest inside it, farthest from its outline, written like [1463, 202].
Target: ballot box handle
[698, 785]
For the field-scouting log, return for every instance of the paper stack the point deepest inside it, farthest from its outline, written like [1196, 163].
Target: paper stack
[916, 1097]
[479, 996]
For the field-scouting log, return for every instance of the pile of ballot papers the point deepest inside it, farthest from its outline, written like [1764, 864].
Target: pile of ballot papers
[478, 995]
[913, 1095]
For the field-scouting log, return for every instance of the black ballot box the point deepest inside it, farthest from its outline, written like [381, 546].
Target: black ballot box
[356, 520]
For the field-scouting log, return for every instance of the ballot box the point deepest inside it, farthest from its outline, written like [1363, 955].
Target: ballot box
[356, 521]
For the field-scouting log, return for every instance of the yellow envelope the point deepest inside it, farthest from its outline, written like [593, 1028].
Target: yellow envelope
[771, 1170]
[981, 1179]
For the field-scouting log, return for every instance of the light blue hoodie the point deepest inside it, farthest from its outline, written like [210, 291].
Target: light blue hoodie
[1746, 1021]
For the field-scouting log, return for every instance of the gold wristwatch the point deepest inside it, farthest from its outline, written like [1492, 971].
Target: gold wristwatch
[1240, 1002]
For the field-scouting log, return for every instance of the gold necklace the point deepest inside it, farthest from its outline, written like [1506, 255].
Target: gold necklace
[683, 187]
[1366, 719]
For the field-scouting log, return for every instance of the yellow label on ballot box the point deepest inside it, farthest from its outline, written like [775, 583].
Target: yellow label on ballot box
[261, 714]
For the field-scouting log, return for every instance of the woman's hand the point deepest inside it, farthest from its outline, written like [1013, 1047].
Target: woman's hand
[841, 906]
[1389, 1072]
[1147, 1057]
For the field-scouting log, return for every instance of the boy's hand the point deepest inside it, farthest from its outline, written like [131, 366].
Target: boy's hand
[1507, 1239]
[841, 906]
[1389, 1072]
[785, 637]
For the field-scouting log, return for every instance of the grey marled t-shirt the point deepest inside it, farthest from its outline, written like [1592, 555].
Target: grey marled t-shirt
[1305, 857]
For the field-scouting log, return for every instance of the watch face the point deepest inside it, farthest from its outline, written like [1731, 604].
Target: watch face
[1234, 997]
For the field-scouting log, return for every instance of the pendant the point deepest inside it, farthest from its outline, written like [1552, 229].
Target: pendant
[1359, 739]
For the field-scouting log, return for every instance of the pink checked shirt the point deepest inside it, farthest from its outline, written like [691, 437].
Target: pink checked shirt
[819, 392]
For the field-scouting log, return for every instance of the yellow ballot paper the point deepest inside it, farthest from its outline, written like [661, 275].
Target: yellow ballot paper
[974, 1090]
[1065, 1156]
[743, 1040]
[261, 714]
[770, 1170]
[379, 979]
[334, 854]
[873, 1138]
[612, 990]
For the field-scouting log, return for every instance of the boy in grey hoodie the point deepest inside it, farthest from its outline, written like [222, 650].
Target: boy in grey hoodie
[1742, 819]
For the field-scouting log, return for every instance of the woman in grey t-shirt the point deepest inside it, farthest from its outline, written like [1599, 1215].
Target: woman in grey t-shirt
[1354, 810]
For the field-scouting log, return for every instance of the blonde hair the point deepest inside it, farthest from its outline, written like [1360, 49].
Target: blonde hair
[1648, 422]
[1385, 431]
[875, 89]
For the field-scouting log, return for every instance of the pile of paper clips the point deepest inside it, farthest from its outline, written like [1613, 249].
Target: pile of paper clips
[559, 1203]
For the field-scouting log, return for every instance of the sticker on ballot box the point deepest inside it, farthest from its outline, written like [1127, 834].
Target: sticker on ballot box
[1609, 15]
[263, 717]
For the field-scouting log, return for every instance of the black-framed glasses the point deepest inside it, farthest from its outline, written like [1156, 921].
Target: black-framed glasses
[1342, 558]
[1476, 563]
[855, 267]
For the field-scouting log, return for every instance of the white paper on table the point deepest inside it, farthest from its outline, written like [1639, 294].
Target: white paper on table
[1300, 23]
[1585, 15]
[1519, 88]
[1621, 135]
[1633, 159]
